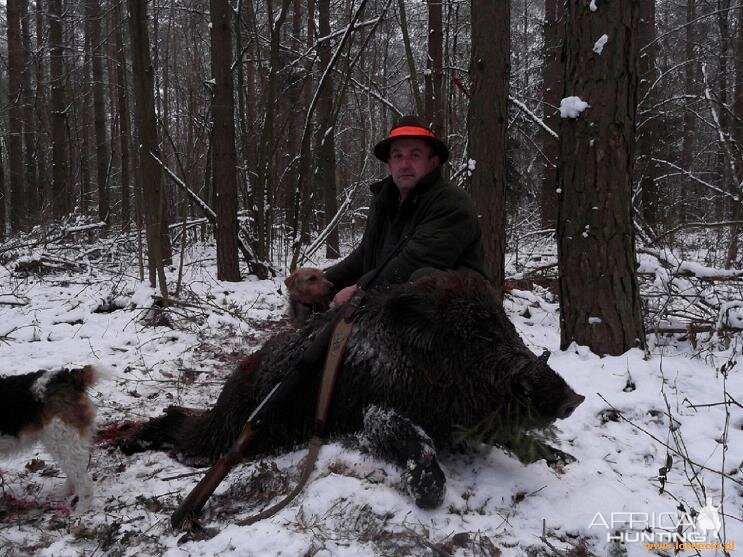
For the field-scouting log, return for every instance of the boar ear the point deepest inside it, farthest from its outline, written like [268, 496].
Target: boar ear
[289, 281]
[545, 356]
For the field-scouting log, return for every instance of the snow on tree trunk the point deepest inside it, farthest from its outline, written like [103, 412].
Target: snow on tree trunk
[599, 298]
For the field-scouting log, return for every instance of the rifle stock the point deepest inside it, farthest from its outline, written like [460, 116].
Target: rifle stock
[195, 501]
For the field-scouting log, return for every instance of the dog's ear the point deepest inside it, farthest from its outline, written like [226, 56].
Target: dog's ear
[290, 280]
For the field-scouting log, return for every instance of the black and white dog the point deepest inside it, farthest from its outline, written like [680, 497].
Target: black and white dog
[53, 406]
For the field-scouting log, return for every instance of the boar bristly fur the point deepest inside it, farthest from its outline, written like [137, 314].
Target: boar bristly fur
[439, 352]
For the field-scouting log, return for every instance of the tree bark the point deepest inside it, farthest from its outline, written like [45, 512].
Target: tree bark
[149, 169]
[93, 30]
[325, 134]
[599, 296]
[300, 198]
[265, 179]
[122, 103]
[690, 73]
[554, 29]
[723, 164]
[2, 196]
[647, 132]
[487, 127]
[18, 217]
[737, 212]
[33, 191]
[419, 110]
[61, 189]
[434, 82]
[42, 113]
[82, 132]
[224, 175]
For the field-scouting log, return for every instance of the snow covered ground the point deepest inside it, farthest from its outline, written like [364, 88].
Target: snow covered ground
[639, 411]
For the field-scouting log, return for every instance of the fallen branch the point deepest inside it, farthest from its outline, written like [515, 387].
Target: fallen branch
[689, 269]
[260, 269]
[13, 300]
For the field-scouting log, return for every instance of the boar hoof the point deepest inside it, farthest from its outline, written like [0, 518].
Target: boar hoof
[425, 482]
[558, 458]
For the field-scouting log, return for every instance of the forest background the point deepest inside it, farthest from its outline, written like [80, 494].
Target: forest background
[594, 123]
[165, 163]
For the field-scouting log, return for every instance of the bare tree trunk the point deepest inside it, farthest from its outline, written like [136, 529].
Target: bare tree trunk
[33, 192]
[554, 29]
[435, 73]
[61, 190]
[84, 110]
[415, 88]
[240, 54]
[599, 296]
[723, 166]
[42, 113]
[2, 196]
[93, 30]
[647, 132]
[223, 111]
[325, 138]
[690, 75]
[18, 217]
[733, 247]
[265, 181]
[149, 169]
[122, 102]
[250, 145]
[487, 127]
[300, 197]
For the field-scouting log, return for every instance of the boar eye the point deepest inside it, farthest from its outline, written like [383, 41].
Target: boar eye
[525, 387]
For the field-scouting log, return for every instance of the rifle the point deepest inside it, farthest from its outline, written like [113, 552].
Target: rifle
[199, 495]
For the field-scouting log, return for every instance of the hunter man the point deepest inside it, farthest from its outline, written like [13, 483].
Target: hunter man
[418, 222]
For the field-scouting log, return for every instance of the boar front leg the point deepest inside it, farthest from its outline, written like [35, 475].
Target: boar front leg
[396, 439]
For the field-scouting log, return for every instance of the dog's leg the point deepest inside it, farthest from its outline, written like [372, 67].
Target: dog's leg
[397, 439]
[71, 449]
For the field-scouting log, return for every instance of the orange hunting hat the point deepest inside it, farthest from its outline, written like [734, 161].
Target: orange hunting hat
[412, 127]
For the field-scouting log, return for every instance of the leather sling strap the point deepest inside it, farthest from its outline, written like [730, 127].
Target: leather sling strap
[333, 360]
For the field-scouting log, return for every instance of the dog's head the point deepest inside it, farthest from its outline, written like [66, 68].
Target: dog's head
[309, 286]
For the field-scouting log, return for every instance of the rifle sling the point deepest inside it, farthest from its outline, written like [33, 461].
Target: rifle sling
[333, 360]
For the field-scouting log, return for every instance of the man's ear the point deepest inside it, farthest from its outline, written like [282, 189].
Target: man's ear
[438, 159]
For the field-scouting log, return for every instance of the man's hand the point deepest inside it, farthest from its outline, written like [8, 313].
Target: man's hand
[344, 295]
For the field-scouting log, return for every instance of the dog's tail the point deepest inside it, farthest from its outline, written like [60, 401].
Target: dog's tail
[92, 374]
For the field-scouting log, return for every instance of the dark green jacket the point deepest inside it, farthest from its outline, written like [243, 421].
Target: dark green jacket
[437, 225]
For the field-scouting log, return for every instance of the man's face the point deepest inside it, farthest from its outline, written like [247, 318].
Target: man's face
[410, 160]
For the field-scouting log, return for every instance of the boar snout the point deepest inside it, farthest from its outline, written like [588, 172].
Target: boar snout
[569, 407]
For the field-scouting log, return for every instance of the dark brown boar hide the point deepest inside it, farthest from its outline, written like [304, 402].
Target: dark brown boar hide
[439, 353]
